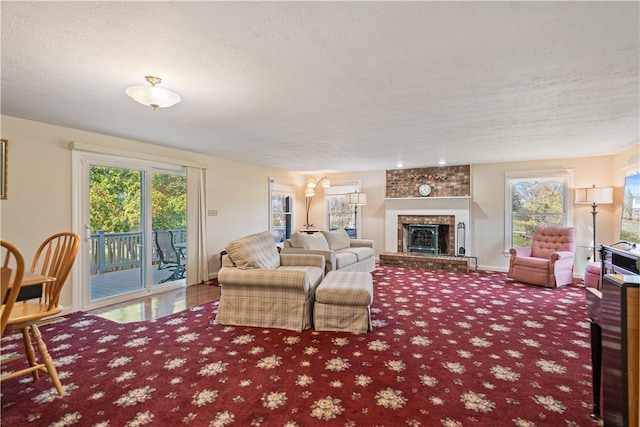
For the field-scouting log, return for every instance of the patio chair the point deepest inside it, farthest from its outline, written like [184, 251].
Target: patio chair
[54, 258]
[11, 278]
[171, 259]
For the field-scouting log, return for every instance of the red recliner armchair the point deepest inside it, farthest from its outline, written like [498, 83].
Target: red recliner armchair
[549, 260]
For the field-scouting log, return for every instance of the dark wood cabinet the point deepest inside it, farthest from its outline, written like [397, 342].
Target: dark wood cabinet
[615, 333]
[619, 323]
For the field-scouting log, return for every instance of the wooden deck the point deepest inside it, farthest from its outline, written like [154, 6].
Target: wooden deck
[121, 282]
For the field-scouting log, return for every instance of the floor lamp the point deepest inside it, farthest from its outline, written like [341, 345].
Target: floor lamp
[356, 199]
[310, 191]
[594, 196]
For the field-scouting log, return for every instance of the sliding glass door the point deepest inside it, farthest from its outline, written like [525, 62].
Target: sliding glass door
[116, 229]
[134, 216]
[169, 226]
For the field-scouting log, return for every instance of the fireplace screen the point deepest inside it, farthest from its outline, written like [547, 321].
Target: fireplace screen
[423, 238]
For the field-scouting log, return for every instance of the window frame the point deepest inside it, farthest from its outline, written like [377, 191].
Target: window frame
[511, 178]
[286, 188]
[338, 189]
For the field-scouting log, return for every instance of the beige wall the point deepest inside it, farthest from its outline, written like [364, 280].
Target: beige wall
[488, 207]
[39, 193]
[487, 226]
[373, 185]
[39, 199]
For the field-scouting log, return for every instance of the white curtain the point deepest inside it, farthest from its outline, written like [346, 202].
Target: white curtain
[198, 264]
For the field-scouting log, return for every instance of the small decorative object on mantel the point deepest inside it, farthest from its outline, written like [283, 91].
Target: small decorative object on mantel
[424, 190]
[426, 176]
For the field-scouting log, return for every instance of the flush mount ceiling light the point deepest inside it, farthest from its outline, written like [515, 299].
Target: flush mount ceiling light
[153, 96]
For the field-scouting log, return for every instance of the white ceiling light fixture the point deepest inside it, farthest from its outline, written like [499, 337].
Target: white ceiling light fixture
[153, 96]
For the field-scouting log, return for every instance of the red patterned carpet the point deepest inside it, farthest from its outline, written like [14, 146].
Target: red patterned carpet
[446, 350]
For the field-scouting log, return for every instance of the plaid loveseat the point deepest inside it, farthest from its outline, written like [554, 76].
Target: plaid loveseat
[261, 287]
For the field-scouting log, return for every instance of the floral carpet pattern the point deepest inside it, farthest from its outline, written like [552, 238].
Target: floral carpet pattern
[446, 349]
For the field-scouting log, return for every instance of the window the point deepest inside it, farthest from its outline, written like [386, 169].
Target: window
[341, 214]
[282, 198]
[534, 198]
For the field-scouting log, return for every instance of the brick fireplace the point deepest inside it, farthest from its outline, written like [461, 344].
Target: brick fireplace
[446, 212]
[447, 207]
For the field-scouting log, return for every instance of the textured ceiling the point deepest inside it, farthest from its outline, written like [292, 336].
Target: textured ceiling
[335, 86]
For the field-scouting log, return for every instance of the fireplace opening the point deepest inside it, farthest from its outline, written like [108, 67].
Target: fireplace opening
[423, 238]
[427, 234]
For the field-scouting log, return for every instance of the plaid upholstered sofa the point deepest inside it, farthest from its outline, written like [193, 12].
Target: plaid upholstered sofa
[339, 250]
[261, 287]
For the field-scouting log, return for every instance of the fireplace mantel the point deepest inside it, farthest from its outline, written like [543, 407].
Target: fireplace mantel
[424, 198]
[458, 206]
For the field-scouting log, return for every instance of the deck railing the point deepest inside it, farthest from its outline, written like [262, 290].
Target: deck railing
[120, 251]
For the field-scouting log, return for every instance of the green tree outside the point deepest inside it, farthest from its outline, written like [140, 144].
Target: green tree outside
[533, 204]
[115, 195]
[169, 201]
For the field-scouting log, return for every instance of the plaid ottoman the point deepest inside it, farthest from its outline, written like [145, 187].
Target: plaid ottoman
[343, 301]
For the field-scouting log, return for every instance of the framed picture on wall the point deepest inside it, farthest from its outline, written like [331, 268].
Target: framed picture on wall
[3, 168]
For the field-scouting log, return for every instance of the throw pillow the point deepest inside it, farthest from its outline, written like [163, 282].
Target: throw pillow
[254, 251]
[315, 241]
[338, 239]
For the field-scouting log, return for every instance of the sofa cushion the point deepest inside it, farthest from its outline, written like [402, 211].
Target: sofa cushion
[345, 259]
[360, 252]
[338, 239]
[309, 241]
[531, 262]
[254, 251]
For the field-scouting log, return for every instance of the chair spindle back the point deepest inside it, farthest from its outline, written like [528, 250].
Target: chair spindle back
[11, 274]
[54, 258]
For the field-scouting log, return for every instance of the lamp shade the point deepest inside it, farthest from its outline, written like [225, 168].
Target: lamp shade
[594, 195]
[153, 96]
[308, 192]
[356, 199]
[313, 183]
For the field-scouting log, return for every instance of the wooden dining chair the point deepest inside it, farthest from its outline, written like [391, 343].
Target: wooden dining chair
[11, 274]
[54, 258]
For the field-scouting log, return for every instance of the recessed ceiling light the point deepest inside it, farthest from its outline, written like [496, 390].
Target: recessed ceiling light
[442, 163]
[399, 165]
